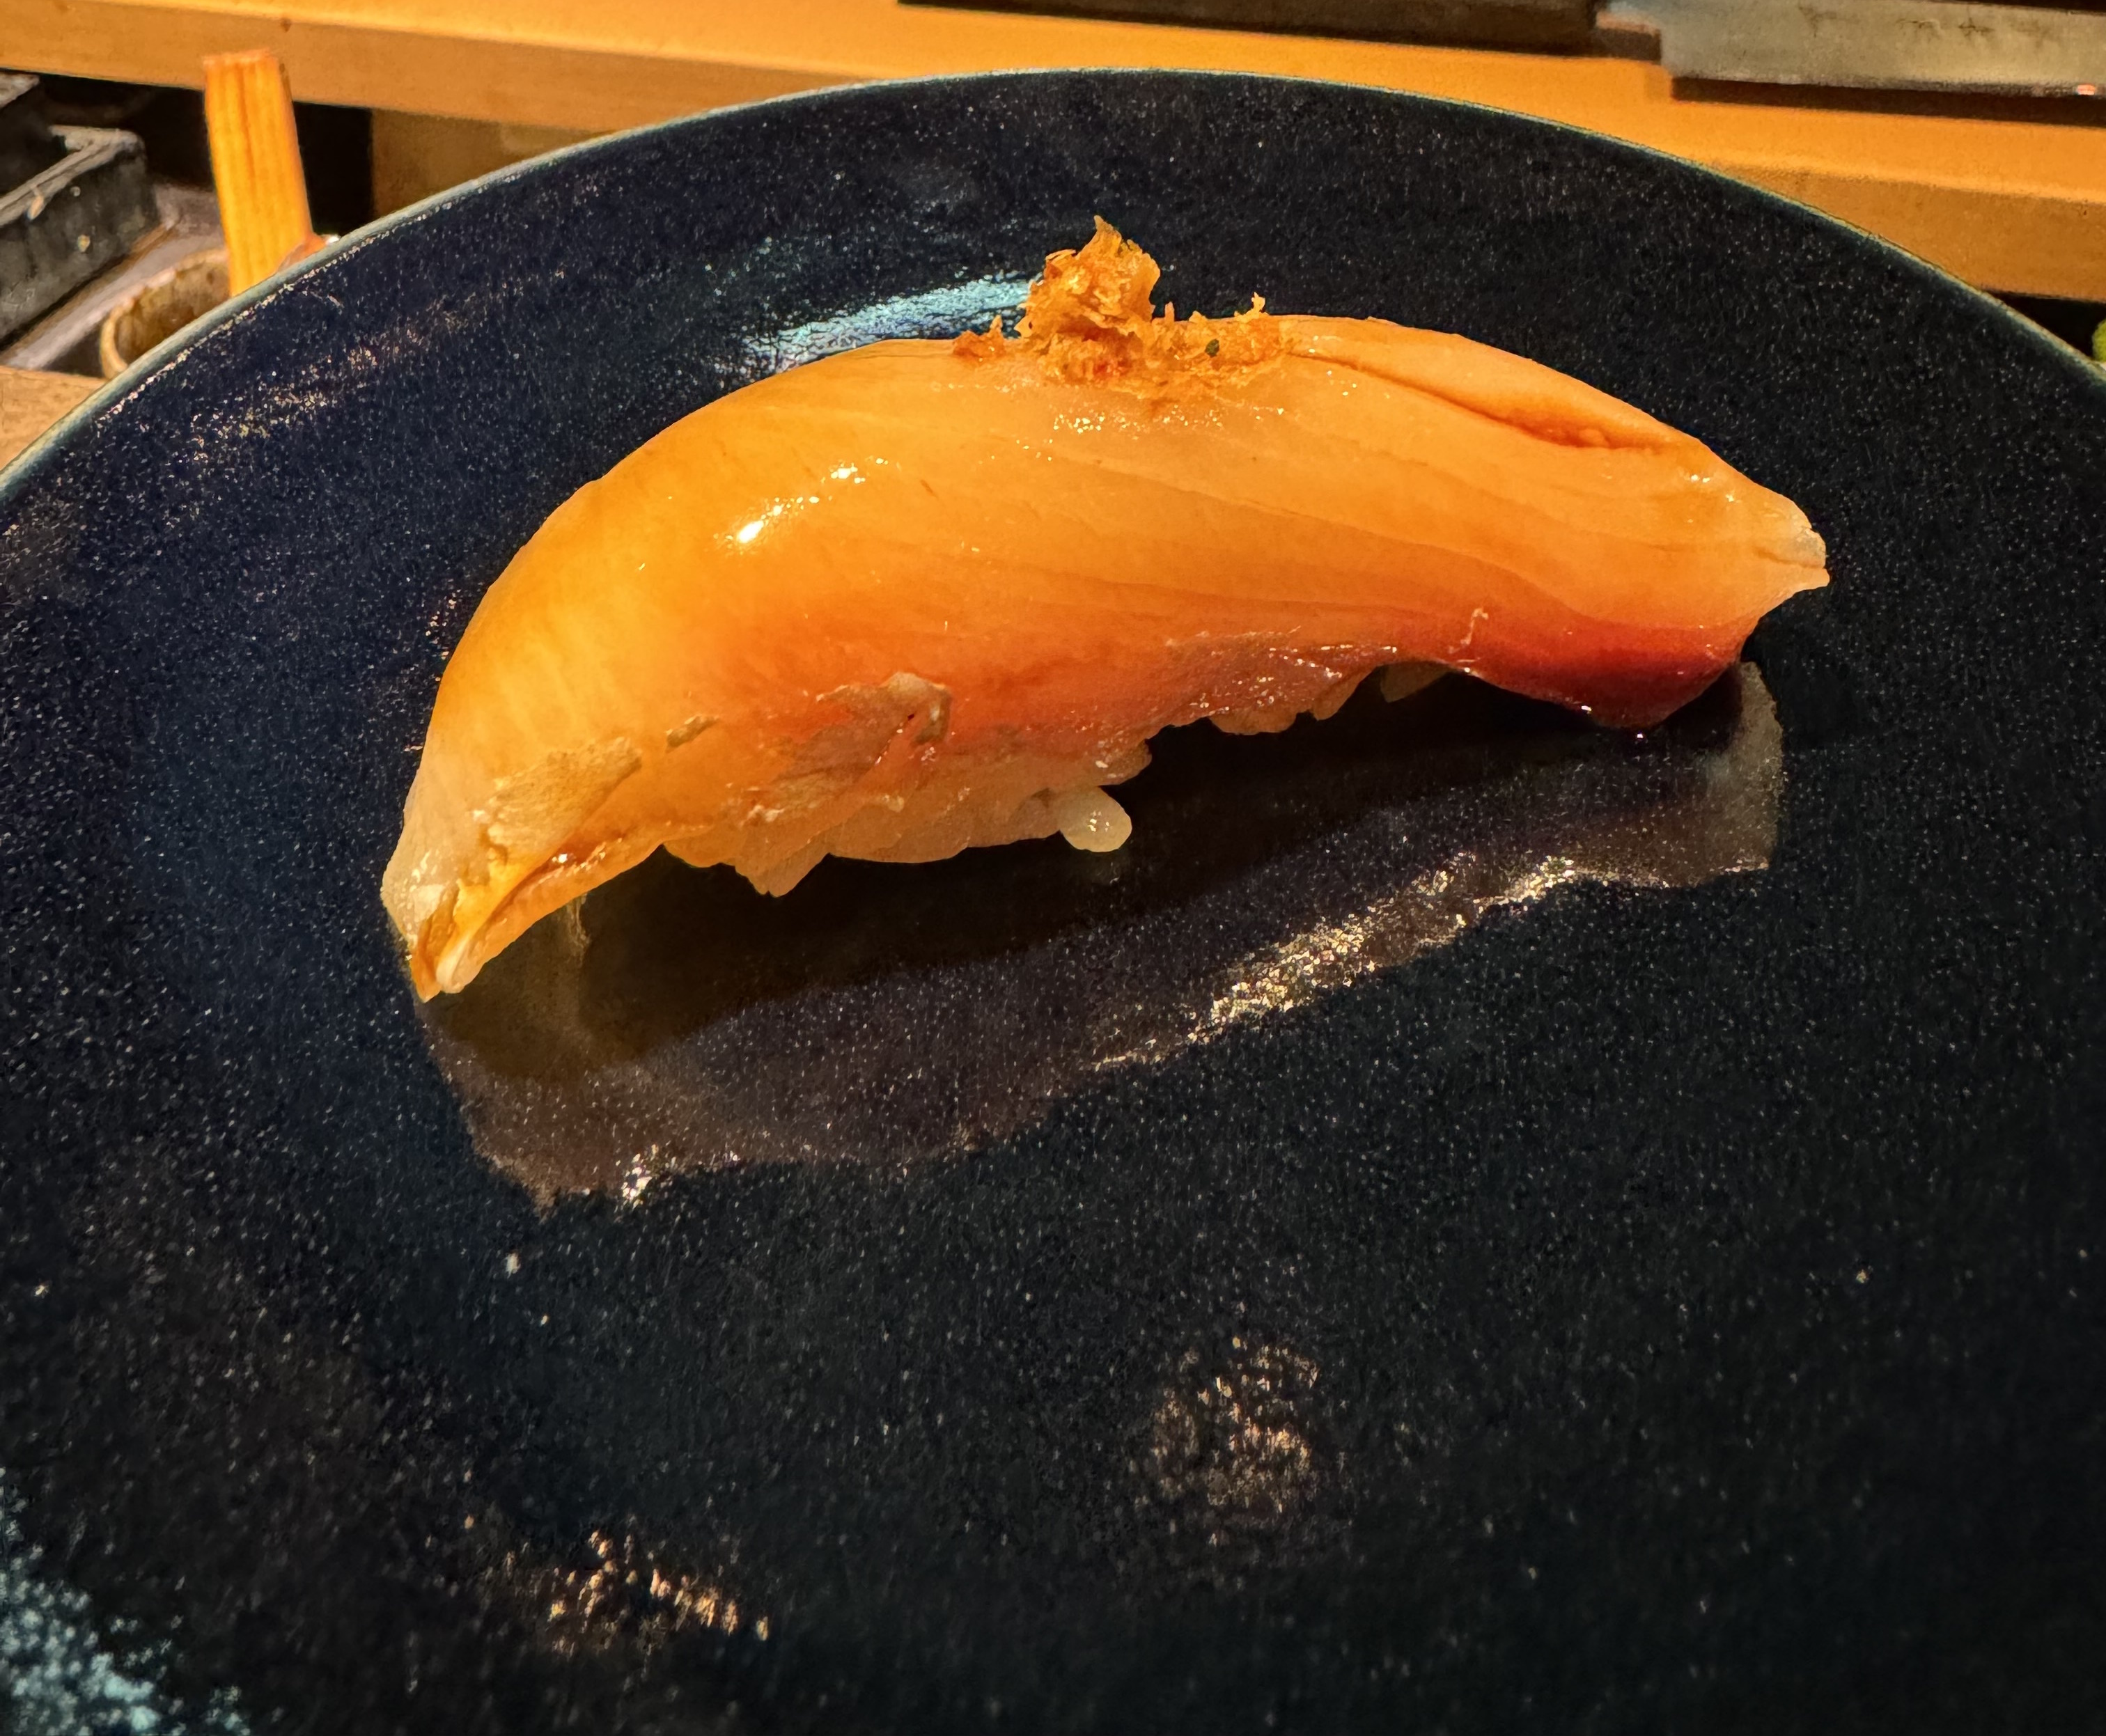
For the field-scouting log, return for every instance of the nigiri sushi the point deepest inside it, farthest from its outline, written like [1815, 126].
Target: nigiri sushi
[929, 594]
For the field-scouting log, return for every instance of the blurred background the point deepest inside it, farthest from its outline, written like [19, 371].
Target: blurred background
[1972, 134]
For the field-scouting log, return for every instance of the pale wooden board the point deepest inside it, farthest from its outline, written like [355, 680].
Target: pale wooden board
[2010, 203]
[30, 403]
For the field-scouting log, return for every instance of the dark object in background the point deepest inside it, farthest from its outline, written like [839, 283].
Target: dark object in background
[1488, 24]
[1930, 45]
[68, 339]
[28, 146]
[76, 212]
[152, 111]
[2073, 322]
[336, 150]
[336, 144]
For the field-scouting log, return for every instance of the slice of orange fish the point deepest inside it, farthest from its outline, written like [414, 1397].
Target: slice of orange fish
[925, 595]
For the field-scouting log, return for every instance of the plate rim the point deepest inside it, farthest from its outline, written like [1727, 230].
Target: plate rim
[18, 477]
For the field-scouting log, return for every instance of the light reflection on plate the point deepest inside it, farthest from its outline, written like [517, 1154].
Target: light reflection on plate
[678, 1020]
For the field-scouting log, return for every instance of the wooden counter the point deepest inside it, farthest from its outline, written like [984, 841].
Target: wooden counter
[30, 402]
[2016, 203]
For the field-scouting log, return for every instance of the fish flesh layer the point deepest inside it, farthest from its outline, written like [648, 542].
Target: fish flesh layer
[928, 594]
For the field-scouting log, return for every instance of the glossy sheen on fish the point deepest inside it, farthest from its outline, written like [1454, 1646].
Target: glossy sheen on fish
[925, 595]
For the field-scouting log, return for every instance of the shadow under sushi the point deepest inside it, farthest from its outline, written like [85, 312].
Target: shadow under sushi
[677, 1019]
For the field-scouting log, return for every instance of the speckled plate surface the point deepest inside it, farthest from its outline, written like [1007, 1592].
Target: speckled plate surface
[1470, 1224]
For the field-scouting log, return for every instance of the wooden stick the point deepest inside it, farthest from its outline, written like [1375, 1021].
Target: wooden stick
[256, 166]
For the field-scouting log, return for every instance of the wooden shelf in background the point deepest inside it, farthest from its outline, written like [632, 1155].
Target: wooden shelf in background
[2015, 201]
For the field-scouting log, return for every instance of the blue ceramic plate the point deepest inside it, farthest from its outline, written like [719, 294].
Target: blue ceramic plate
[1470, 1223]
